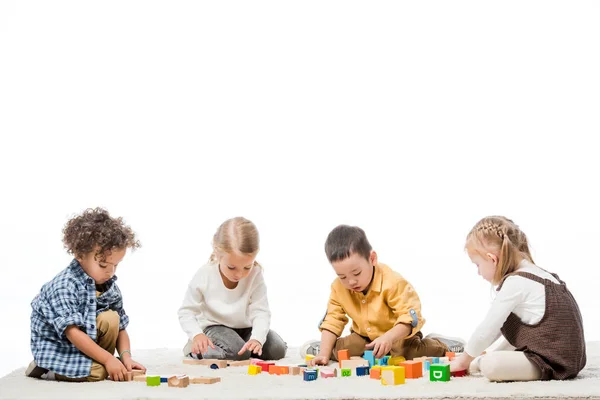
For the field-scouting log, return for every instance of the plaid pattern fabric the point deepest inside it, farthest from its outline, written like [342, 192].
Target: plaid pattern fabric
[70, 299]
[556, 344]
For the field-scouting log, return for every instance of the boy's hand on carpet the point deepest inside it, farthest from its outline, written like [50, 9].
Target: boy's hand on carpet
[115, 369]
[380, 346]
[318, 360]
[252, 345]
[130, 364]
[201, 343]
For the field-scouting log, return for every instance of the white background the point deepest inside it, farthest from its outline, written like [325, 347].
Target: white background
[411, 120]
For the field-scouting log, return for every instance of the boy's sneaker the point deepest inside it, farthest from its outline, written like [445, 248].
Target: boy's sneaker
[33, 371]
[455, 345]
[312, 347]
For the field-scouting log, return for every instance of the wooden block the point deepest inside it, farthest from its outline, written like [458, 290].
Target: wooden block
[392, 375]
[368, 355]
[180, 381]
[459, 374]
[353, 363]
[153, 380]
[137, 372]
[238, 363]
[439, 373]
[375, 372]
[205, 380]
[128, 376]
[329, 373]
[265, 365]
[310, 375]
[396, 360]
[362, 371]
[451, 355]
[346, 372]
[139, 378]
[278, 370]
[343, 355]
[295, 370]
[254, 369]
[413, 369]
[444, 360]
[308, 358]
[217, 364]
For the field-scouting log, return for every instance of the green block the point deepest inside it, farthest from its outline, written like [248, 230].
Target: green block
[153, 381]
[378, 361]
[439, 373]
[346, 372]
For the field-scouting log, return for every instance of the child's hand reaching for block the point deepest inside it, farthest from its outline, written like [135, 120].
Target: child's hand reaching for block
[201, 343]
[253, 346]
[318, 360]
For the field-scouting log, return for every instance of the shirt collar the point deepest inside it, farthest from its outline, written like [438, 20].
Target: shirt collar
[377, 282]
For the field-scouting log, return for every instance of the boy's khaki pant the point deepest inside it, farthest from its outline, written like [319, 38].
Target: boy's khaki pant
[108, 331]
[410, 348]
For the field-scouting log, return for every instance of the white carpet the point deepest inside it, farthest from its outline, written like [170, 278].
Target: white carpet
[236, 384]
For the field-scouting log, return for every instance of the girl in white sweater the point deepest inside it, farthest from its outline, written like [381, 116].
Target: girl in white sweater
[225, 312]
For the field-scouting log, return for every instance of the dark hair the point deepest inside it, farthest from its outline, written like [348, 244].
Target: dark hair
[344, 240]
[95, 227]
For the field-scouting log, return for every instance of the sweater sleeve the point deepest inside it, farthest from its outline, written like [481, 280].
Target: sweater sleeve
[258, 309]
[190, 313]
[406, 305]
[489, 330]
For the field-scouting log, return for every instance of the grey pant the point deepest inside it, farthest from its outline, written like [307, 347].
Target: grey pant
[229, 341]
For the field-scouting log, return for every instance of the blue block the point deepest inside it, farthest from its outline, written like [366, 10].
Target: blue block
[362, 371]
[310, 375]
[426, 365]
[368, 355]
[164, 379]
[435, 360]
[385, 360]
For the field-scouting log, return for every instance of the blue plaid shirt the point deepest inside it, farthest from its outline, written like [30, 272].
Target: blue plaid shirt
[70, 299]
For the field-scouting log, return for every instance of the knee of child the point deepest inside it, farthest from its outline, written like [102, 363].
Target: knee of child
[489, 366]
[108, 320]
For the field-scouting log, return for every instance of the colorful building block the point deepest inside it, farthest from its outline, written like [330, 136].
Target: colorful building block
[444, 360]
[362, 371]
[435, 360]
[310, 375]
[254, 369]
[279, 370]
[353, 363]
[343, 355]
[329, 373]
[426, 365]
[139, 378]
[375, 372]
[368, 355]
[152, 380]
[451, 355]
[264, 366]
[439, 373]
[346, 372]
[413, 369]
[180, 381]
[396, 360]
[392, 375]
[164, 379]
[295, 370]
[308, 358]
[242, 363]
[459, 374]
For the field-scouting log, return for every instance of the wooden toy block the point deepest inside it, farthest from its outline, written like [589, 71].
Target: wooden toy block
[362, 371]
[343, 355]
[310, 375]
[128, 376]
[139, 378]
[392, 375]
[368, 355]
[451, 355]
[153, 380]
[426, 365]
[435, 360]
[164, 379]
[444, 360]
[216, 364]
[180, 381]
[459, 374]
[308, 358]
[265, 365]
[295, 370]
[439, 373]
[278, 370]
[353, 363]
[396, 360]
[346, 372]
[254, 369]
[413, 369]
[329, 373]
[205, 380]
[375, 372]
[238, 363]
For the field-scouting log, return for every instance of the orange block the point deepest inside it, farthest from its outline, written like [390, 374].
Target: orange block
[375, 373]
[343, 355]
[413, 369]
[279, 370]
[451, 355]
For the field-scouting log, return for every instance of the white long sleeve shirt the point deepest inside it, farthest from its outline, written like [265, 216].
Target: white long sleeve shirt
[519, 295]
[208, 302]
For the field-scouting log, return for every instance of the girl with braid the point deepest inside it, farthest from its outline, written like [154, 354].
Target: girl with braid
[533, 313]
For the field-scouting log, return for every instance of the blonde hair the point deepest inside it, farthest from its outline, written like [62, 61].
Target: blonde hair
[504, 236]
[237, 235]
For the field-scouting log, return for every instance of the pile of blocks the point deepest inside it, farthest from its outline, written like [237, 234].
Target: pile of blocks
[389, 370]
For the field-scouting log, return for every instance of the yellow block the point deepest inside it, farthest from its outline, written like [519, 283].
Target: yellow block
[396, 360]
[392, 375]
[309, 357]
[254, 369]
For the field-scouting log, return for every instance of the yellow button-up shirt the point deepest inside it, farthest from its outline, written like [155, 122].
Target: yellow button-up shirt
[391, 300]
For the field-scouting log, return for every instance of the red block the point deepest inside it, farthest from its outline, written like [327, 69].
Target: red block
[458, 374]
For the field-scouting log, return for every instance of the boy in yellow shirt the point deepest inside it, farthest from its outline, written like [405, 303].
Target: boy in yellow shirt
[384, 308]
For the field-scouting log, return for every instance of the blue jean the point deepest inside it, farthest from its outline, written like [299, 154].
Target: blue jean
[229, 341]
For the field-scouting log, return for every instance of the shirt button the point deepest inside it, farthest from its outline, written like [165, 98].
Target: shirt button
[368, 329]
[92, 326]
[91, 301]
[364, 301]
[90, 281]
